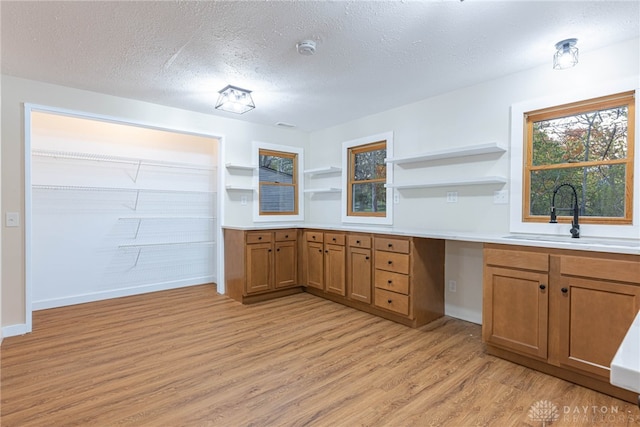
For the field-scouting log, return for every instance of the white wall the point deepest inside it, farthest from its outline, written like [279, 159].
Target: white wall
[236, 146]
[472, 115]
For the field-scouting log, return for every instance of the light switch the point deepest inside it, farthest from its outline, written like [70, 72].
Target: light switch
[12, 219]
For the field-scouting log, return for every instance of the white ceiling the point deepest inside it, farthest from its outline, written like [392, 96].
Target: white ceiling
[371, 55]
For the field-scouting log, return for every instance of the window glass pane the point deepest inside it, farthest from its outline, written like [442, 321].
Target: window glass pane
[277, 198]
[370, 165]
[369, 197]
[276, 169]
[590, 136]
[603, 188]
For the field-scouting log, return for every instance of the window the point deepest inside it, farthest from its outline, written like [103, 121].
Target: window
[366, 198]
[277, 173]
[367, 175]
[589, 144]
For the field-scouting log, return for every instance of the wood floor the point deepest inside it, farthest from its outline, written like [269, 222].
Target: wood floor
[191, 357]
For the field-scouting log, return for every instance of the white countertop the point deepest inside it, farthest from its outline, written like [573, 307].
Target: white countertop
[593, 244]
[625, 367]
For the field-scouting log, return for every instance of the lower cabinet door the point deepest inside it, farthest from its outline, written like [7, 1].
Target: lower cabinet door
[285, 264]
[359, 268]
[259, 262]
[594, 318]
[515, 310]
[314, 263]
[334, 269]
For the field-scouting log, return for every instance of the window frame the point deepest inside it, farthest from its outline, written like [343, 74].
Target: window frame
[352, 152]
[298, 154]
[571, 109]
[360, 145]
[516, 155]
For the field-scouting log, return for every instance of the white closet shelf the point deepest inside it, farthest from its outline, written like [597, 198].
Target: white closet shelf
[485, 180]
[240, 167]
[118, 159]
[323, 171]
[115, 189]
[147, 245]
[450, 153]
[167, 217]
[323, 190]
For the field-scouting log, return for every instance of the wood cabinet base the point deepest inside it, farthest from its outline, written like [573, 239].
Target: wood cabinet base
[252, 299]
[574, 377]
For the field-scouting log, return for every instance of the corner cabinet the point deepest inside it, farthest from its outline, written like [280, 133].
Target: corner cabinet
[261, 265]
[561, 312]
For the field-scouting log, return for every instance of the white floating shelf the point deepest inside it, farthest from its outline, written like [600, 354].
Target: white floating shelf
[321, 171]
[450, 153]
[486, 180]
[240, 167]
[324, 190]
[239, 188]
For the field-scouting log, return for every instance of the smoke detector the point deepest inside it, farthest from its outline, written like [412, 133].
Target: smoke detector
[306, 47]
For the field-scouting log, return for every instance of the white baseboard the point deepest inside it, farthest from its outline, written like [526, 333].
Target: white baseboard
[116, 293]
[463, 314]
[15, 330]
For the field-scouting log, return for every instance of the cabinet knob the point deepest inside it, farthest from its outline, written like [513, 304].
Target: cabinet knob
[269, 250]
[286, 236]
[334, 239]
[278, 250]
[320, 250]
[564, 290]
[366, 257]
[389, 262]
[389, 281]
[357, 242]
[390, 245]
[259, 237]
[543, 286]
[389, 301]
[326, 252]
[313, 237]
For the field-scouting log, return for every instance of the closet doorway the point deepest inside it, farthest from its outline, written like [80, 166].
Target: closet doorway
[117, 209]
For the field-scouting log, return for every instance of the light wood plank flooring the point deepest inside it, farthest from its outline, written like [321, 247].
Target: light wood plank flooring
[191, 357]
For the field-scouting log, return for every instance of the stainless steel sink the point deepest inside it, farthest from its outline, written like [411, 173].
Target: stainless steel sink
[629, 243]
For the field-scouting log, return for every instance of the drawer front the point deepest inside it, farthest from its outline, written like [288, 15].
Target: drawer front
[395, 282]
[517, 259]
[334, 238]
[392, 301]
[358, 241]
[314, 236]
[390, 261]
[392, 245]
[258, 237]
[285, 235]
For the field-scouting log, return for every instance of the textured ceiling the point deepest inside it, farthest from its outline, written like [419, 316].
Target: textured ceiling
[371, 55]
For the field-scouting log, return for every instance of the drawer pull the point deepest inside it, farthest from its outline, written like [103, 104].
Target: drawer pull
[390, 245]
[326, 252]
[278, 250]
[389, 281]
[286, 236]
[320, 250]
[389, 301]
[389, 262]
[334, 239]
[259, 237]
[564, 290]
[269, 250]
[313, 237]
[543, 286]
[357, 242]
[366, 257]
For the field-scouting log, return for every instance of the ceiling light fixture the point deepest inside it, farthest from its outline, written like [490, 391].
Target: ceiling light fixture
[235, 100]
[566, 55]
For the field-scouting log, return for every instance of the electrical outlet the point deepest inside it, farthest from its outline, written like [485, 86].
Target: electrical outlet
[452, 197]
[452, 285]
[501, 197]
[243, 200]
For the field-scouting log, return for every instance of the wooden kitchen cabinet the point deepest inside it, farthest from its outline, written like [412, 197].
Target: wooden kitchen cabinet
[313, 259]
[260, 264]
[559, 311]
[516, 301]
[359, 268]
[335, 263]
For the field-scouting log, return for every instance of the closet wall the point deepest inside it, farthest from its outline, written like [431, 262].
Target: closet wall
[119, 210]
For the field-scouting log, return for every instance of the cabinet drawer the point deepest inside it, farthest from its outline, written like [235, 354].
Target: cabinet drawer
[258, 237]
[392, 301]
[607, 269]
[392, 245]
[359, 241]
[391, 261]
[314, 236]
[334, 238]
[285, 235]
[395, 282]
[517, 259]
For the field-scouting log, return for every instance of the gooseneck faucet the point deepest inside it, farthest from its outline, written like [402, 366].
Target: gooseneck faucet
[575, 227]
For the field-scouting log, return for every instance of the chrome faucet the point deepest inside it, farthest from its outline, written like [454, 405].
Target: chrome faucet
[575, 227]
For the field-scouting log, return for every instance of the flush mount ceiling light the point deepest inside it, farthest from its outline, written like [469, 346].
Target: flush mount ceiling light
[566, 54]
[235, 100]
